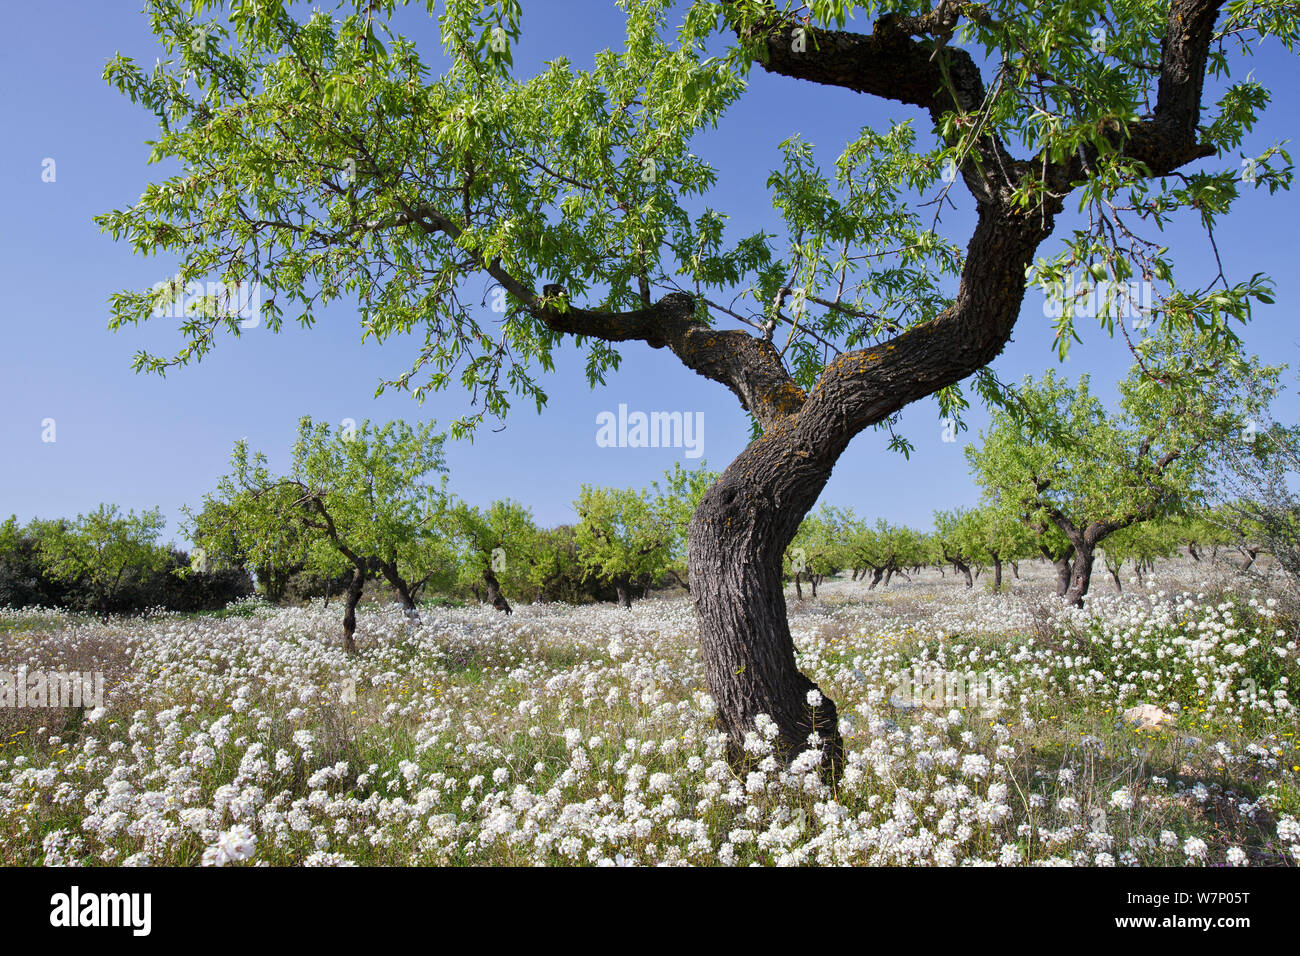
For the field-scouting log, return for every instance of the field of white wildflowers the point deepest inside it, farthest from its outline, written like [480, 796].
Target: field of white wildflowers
[981, 729]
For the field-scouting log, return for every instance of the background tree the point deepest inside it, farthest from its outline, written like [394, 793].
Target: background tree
[1198, 532]
[102, 549]
[1002, 535]
[1141, 544]
[960, 540]
[25, 580]
[1257, 504]
[496, 548]
[677, 501]
[275, 554]
[362, 494]
[322, 155]
[817, 550]
[555, 572]
[623, 536]
[1090, 473]
[883, 548]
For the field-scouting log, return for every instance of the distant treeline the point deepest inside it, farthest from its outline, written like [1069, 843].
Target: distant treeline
[36, 571]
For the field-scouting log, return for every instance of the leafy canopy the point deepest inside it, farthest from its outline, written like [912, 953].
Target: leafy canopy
[1061, 457]
[326, 155]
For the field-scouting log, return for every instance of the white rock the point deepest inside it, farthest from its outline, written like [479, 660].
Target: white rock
[1147, 717]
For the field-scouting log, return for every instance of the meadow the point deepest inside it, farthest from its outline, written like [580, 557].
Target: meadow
[981, 728]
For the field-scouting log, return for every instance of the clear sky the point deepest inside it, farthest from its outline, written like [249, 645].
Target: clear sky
[141, 441]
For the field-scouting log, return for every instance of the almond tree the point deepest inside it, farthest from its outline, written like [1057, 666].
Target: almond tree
[623, 535]
[325, 155]
[1140, 543]
[884, 548]
[677, 500]
[1000, 537]
[1068, 462]
[817, 548]
[101, 549]
[553, 564]
[495, 547]
[274, 554]
[360, 498]
[960, 540]
[1257, 507]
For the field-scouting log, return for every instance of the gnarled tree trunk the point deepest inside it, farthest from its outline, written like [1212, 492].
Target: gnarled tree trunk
[494, 595]
[1080, 573]
[622, 586]
[1063, 568]
[400, 585]
[351, 598]
[738, 535]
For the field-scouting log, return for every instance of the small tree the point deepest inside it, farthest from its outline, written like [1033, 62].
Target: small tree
[1258, 503]
[960, 538]
[1200, 532]
[359, 498]
[677, 501]
[1001, 535]
[496, 548]
[1067, 461]
[102, 549]
[623, 535]
[554, 569]
[817, 550]
[1140, 543]
[274, 553]
[883, 548]
[25, 579]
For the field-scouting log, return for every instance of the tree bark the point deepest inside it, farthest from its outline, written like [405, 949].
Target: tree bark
[1080, 573]
[738, 536]
[494, 595]
[997, 572]
[398, 584]
[624, 593]
[350, 609]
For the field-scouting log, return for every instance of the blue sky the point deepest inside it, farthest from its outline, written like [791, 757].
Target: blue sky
[141, 441]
